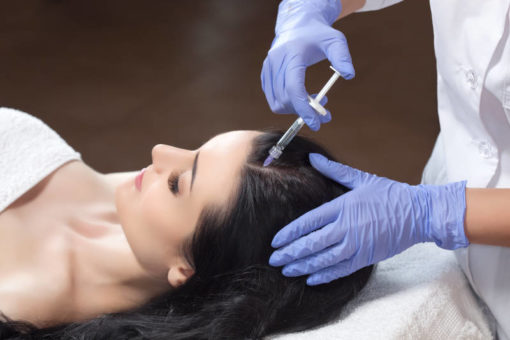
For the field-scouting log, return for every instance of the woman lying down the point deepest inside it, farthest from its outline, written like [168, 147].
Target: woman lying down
[177, 250]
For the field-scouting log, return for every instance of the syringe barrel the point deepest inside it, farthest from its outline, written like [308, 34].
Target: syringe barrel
[291, 133]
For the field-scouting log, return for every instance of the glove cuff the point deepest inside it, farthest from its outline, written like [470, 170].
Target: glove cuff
[292, 13]
[446, 205]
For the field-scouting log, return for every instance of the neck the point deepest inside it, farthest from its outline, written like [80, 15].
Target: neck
[106, 276]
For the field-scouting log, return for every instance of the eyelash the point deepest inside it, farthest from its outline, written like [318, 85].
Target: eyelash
[173, 183]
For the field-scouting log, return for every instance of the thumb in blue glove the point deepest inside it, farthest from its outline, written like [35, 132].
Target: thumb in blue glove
[377, 219]
[304, 36]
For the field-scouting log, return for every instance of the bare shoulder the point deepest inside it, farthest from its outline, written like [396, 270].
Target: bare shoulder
[41, 311]
[37, 294]
[62, 174]
[31, 308]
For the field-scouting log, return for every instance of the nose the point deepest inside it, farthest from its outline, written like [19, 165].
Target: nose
[166, 157]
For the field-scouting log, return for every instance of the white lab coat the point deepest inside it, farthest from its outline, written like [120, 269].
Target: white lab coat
[472, 47]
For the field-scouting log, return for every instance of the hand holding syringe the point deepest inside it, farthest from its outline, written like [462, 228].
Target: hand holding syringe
[277, 150]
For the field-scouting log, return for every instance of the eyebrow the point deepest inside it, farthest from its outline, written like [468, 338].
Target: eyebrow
[194, 171]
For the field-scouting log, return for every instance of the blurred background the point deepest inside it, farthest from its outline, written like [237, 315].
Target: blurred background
[114, 78]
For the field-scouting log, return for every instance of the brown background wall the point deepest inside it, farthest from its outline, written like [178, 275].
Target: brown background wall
[116, 77]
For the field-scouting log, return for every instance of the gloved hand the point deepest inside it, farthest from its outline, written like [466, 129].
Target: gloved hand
[304, 36]
[377, 219]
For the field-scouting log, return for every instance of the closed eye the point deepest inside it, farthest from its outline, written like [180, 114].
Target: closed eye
[173, 183]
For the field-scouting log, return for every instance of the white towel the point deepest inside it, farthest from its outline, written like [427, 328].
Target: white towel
[29, 151]
[419, 294]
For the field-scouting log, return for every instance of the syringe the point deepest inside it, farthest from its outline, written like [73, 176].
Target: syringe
[276, 151]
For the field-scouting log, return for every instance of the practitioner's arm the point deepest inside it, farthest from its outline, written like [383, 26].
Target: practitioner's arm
[377, 219]
[488, 216]
[380, 218]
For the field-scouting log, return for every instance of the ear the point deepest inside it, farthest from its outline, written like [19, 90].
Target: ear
[179, 274]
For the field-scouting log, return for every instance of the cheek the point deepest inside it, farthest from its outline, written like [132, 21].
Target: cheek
[156, 211]
[164, 219]
[163, 225]
[136, 228]
[155, 224]
[127, 214]
[169, 221]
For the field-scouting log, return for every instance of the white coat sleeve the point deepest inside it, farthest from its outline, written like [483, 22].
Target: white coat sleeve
[373, 5]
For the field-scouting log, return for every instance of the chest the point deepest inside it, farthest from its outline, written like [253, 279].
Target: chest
[35, 240]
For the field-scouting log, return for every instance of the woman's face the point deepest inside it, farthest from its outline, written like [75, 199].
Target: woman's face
[175, 188]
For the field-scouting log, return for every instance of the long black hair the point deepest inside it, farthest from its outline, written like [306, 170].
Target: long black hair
[234, 293]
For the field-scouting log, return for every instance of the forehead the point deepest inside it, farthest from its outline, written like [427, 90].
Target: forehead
[236, 141]
[220, 163]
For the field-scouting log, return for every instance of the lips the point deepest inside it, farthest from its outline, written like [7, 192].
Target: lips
[138, 180]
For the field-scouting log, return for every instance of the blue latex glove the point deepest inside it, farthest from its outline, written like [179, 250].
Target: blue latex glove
[304, 36]
[377, 219]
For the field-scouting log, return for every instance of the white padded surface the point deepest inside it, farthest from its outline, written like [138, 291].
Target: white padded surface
[419, 294]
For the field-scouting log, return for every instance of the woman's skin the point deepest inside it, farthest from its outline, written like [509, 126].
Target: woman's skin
[81, 243]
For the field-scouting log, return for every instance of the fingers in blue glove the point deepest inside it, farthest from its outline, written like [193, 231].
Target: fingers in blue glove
[323, 101]
[323, 259]
[329, 274]
[276, 90]
[326, 118]
[295, 86]
[266, 77]
[309, 244]
[340, 173]
[278, 107]
[337, 52]
[306, 223]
